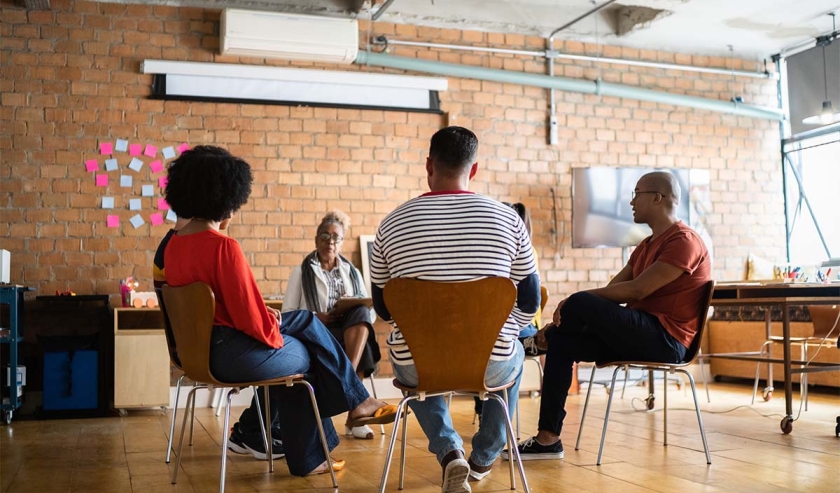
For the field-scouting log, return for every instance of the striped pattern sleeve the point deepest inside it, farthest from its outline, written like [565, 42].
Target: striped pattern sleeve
[454, 237]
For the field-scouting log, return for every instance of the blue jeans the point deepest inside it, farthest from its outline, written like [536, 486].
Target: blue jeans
[310, 349]
[434, 418]
[596, 329]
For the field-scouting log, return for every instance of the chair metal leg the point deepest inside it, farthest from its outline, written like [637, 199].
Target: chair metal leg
[700, 361]
[266, 436]
[320, 428]
[511, 445]
[217, 402]
[803, 380]
[192, 413]
[699, 418]
[607, 416]
[758, 370]
[266, 429]
[183, 430]
[225, 438]
[373, 389]
[665, 408]
[517, 420]
[626, 374]
[172, 422]
[585, 406]
[400, 410]
[449, 402]
[402, 449]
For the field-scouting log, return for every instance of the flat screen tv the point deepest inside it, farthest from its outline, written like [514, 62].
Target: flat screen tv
[601, 212]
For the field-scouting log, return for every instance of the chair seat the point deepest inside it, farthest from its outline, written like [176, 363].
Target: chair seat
[407, 388]
[645, 364]
[810, 339]
[287, 380]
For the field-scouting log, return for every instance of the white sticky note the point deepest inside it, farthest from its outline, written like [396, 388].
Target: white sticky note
[170, 216]
[148, 191]
[168, 152]
[107, 202]
[125, 181]
[121, 145]
[135, 164]
[111, 164]
[137, 220]
[134, 204]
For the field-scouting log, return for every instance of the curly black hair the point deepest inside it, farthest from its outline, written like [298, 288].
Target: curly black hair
[453, 149]
[207, 182]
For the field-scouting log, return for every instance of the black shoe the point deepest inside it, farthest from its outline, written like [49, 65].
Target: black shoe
[242, 443]
[531, 449]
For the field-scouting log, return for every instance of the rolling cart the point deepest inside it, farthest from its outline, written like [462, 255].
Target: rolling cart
[11, 295]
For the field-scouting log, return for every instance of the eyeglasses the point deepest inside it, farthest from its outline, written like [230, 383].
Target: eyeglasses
[326, 237]
[635, 193]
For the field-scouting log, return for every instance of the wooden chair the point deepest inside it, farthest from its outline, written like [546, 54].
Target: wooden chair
[451, 329]
[667, 368]
[190, 310]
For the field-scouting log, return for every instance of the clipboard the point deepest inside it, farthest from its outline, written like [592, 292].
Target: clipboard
[345, 304]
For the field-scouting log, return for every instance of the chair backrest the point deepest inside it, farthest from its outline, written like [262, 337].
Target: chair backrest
[824, 318]
[543, 298]
[167, 330]
[450, 327]
[190, 310]
[694, 348]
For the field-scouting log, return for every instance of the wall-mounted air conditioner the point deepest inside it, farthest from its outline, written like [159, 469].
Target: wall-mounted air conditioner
[288, 36]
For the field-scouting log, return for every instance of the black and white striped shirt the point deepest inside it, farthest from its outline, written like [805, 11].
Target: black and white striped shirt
[453, 236]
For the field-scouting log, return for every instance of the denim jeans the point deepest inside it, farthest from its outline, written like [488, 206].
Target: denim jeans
[596, 329]
[434, 418]
[310, 349]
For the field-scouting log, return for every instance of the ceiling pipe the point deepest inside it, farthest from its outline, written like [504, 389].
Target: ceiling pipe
[565, 84]
[381, 10]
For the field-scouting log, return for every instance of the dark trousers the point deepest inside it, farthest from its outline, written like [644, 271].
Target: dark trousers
[309, 349]
[595, 329]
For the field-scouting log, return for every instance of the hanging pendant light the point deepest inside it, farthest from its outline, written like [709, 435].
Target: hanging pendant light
[827, 115]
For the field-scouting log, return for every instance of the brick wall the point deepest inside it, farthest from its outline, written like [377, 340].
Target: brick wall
[71, 79]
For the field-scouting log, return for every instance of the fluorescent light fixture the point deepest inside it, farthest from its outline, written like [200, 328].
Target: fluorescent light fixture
[222, 82]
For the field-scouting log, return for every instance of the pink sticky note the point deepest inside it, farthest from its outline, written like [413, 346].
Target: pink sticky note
[163, 205]
[183, 147]
[106, 148]
[156, 166]
[150, 150]
[101, 180]
[156, 218]
[135, 149]
[92, 165]
[162, 181]
[113, 221]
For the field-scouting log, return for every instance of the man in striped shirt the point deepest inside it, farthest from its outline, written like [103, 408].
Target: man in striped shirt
[452, 234]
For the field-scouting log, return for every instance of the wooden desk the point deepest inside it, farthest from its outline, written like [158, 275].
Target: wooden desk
[783, 295]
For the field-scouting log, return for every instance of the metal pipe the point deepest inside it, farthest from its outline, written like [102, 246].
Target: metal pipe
[565, 84]
[578, 19]
[381, 10]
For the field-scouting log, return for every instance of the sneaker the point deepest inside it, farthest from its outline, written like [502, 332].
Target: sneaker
[456, 470]
[241, 443]
[531, 348]
[477, 473]
[531, 449]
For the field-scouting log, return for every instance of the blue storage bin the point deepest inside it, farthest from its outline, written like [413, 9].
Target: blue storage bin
[71, 380]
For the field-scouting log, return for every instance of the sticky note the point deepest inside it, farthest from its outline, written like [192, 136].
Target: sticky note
[125, 181]
[183, 147]
[135, 149]
[162, 181]
[163, 205]
[91, 165]
[170, 216]
[150, 150]
[137, 221]
[107, 202]
[156, 166]
[122, 145]
[112, 221]
[134, 204]
[135, 164]
[168, 152]
[101, 180]
[148, 191]
[156, 219]
[106, 148]
[110, 164]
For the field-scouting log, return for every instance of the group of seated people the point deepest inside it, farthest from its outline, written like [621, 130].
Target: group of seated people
[448, 234]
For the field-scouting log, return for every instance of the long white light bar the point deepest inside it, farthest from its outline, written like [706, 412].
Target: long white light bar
[225, 82]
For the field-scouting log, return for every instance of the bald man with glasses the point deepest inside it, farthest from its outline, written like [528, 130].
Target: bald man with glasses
[662, 287]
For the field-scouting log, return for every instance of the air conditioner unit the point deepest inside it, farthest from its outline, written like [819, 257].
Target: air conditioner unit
[289, 36]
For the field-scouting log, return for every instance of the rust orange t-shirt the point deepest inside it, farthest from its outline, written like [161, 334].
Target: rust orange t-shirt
[216, 260]
[677, 304]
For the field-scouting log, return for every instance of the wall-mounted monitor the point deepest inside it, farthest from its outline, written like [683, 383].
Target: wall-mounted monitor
[601, 212]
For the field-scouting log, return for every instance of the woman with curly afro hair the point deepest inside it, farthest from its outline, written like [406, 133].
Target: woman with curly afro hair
[251, 341]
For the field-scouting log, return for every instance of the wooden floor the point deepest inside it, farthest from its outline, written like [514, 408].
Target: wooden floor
[749, 454]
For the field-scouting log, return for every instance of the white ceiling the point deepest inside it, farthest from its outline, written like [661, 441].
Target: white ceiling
[754, 28]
